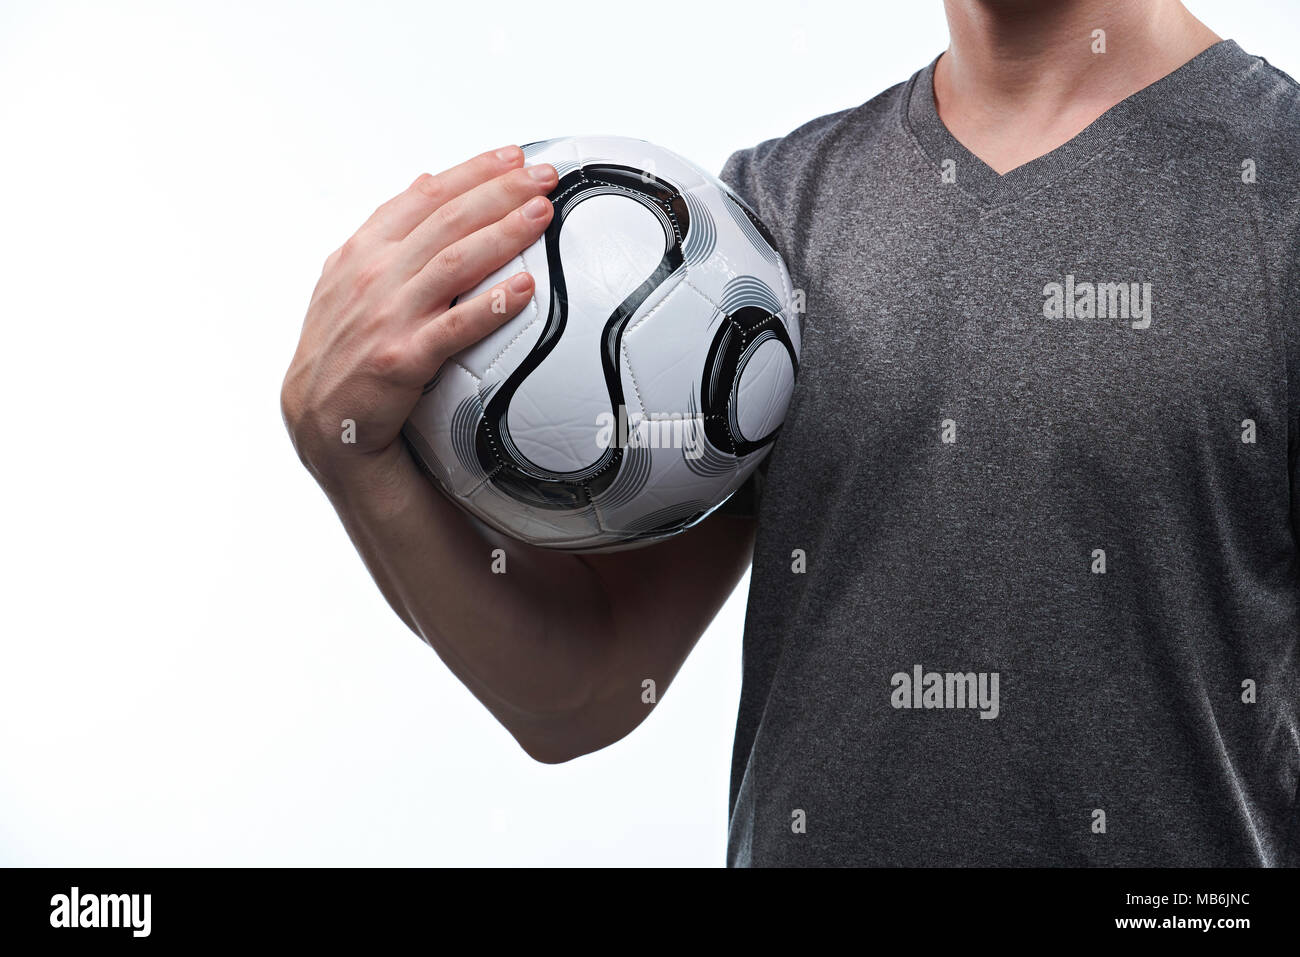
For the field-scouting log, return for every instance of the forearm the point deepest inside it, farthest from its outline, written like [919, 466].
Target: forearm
[528, 641]
[569, 652]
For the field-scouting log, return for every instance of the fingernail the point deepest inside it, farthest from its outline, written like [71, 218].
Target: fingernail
[542, 172]
[507, 153]
[521, 282]
[536, 208]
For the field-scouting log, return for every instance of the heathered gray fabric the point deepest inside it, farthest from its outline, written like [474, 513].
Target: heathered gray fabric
[1120, 693]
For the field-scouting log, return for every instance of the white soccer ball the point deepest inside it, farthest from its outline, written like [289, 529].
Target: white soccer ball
[647, 378]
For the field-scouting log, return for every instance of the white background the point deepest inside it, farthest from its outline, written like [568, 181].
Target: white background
[194, 665]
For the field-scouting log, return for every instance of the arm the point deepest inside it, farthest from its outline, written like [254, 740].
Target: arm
[558, 646]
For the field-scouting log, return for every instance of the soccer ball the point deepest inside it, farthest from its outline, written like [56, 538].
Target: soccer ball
[647, 378]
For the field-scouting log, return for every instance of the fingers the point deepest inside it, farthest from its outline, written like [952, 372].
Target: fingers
[471, 211]
[397, 217]
[467, 322]
[464, 264]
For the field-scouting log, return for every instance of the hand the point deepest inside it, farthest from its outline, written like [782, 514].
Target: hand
[380, 323]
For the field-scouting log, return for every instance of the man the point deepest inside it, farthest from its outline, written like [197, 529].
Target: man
[1025, 583]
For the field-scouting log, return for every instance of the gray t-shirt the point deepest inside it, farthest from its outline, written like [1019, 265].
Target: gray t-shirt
[1025, 590]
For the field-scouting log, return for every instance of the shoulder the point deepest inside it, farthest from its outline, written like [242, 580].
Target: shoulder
[1251, 119]
[1265, 130]
[1260, 126]
[774, 175]
[809, 144]
[1272, 107]
[1259, 116]
[1231, 140]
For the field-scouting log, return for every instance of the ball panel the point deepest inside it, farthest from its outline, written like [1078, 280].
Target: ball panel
[763, 389]
[609, 246]
[441, 430]
[792, 313]
[762, 242]
[673, 496]
[555, 529]
[734, 255]
[656, 161]
[666, 351]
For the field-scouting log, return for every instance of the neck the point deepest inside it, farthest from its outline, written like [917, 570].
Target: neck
[1032, 73]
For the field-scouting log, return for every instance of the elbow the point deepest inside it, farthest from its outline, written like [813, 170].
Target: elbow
[562, 744]
[550, 753]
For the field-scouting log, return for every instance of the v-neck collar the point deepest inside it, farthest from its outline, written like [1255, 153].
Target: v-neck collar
[989, 188]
